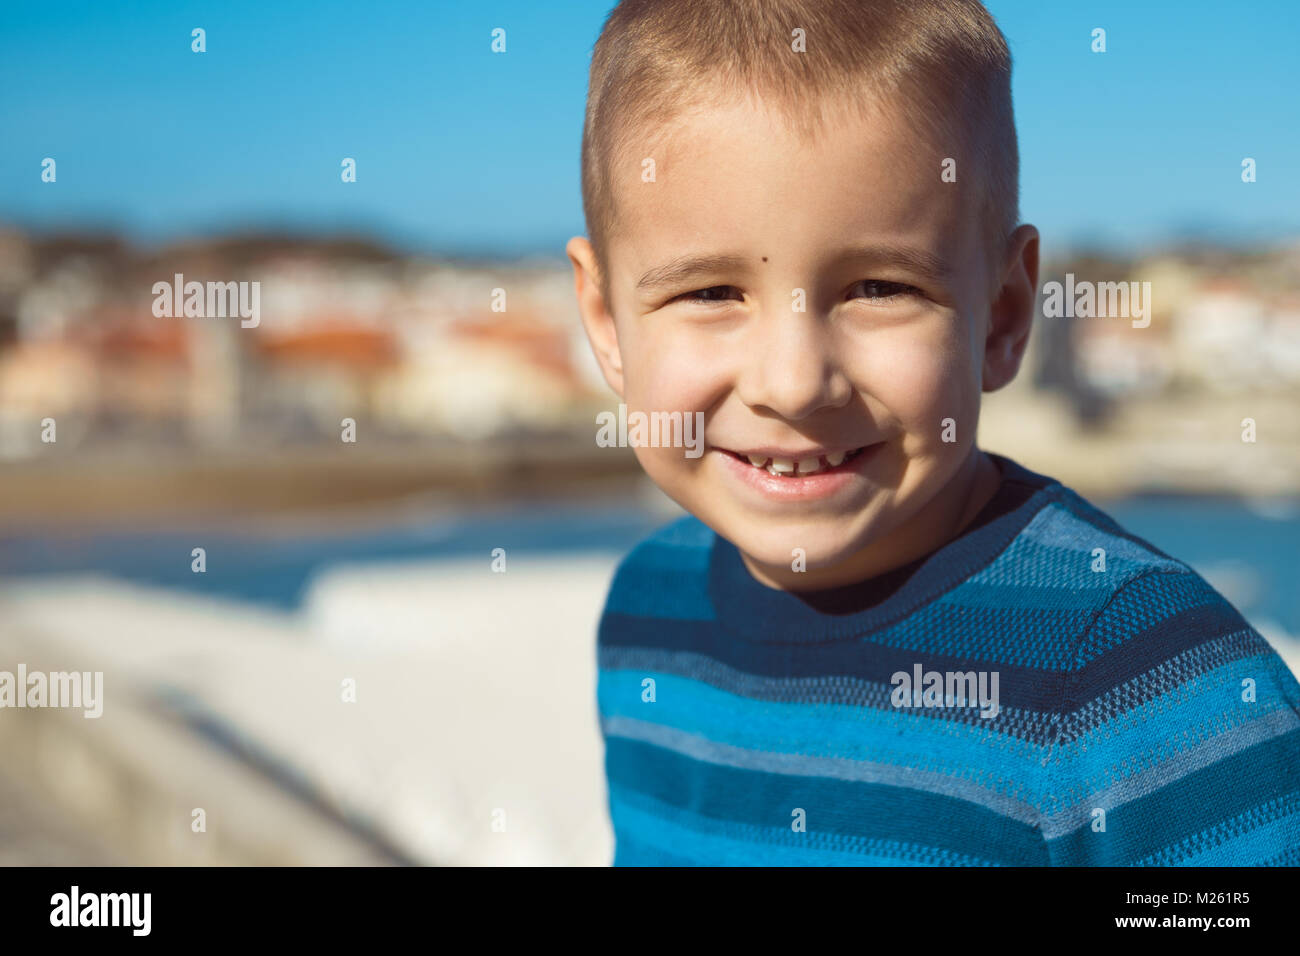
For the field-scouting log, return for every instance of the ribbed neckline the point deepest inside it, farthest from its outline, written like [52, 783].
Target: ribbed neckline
[753, 611]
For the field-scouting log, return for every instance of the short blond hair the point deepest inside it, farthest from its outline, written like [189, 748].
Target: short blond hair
[654, 59]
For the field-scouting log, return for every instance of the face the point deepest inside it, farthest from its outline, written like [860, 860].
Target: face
[826, 302]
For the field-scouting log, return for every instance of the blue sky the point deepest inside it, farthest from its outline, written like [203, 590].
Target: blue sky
[463, 150]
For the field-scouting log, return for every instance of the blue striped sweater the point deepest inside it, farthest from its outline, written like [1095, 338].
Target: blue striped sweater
[1129, 716]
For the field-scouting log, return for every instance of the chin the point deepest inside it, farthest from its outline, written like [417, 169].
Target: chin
[821, 550]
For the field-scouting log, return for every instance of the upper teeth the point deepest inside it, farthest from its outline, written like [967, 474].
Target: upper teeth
[804, 466]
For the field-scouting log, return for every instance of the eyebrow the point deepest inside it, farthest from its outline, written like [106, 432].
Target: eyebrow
[914, 259]
[685, 267]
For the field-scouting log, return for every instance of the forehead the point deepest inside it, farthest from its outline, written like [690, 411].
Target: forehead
[734, 177]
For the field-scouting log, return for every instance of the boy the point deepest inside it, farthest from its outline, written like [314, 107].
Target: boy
[872, 642]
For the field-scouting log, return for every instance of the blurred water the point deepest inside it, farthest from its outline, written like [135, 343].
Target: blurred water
[276, 570]
[1249, 550]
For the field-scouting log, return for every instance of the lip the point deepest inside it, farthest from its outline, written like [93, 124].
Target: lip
[822, 485]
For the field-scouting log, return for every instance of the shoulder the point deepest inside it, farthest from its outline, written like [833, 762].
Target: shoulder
[1148, 603]
[1068, 522]
[1069, 543]
[1064, 563]
[1104, 605]
[1169, 630]
[1143, 610]
[1146, 606]
[666, 573]
[1178, 728]
[1180, 723]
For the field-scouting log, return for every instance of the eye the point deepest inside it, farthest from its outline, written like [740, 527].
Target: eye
[882, 290]
[711, 294]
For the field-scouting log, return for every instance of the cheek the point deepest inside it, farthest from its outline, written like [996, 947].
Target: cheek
[672, 471]
[669, 372]
[918, 376]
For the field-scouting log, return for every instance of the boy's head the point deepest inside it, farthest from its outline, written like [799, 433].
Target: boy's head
[802, 219]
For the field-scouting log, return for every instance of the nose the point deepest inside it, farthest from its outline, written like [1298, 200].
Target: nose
[790, 366]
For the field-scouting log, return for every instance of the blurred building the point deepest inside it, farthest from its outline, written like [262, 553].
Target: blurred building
[411, 347]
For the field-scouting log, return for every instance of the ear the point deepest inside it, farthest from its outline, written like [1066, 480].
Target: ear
[597, 318]
[1012, 314]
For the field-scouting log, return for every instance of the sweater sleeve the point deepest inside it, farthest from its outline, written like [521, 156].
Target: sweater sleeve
[1179, 736]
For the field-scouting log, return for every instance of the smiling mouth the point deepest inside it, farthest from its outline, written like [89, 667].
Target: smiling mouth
[798, 467]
